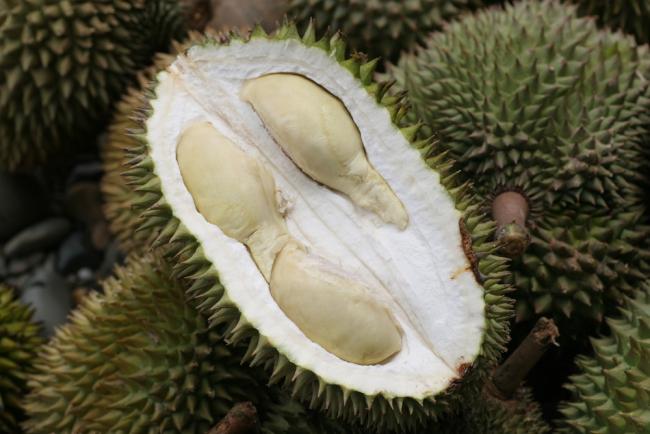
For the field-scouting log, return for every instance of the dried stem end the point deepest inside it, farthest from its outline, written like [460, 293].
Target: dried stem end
[241, 419]
[510, 211]
[510, 374]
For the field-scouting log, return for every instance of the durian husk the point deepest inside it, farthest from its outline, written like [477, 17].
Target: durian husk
[611, 394]
[65, 63]
[384, 413]
[535, 100]
[139, 358]
[380, 28]
[19, 341]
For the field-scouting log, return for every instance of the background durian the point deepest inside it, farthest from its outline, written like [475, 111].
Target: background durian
[19, 340]
[64, 64]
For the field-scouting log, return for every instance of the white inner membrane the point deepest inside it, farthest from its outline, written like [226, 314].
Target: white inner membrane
[421, 272]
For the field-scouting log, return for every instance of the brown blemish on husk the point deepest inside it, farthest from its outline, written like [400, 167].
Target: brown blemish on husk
[466, 240]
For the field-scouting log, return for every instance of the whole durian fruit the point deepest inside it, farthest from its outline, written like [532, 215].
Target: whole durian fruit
[140, 359]
[483, 414]
[345, 257]
[612, 392]
[65, 62]
[548, 116]
[380, 28]
[19, 341]
[631, 16]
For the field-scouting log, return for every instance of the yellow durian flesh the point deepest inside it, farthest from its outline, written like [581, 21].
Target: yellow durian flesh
[233, 191]
[333, 309]
[317, 132]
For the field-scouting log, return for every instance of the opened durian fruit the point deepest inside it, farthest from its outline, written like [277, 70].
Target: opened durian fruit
[346, 258]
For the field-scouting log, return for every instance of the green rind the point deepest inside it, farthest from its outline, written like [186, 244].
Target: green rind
[611, 394]
[630, 16]
[380, 28]
[486, 415]
[63, 63]
[379, 411]
[19, 341]
[533, 99]
[140, 359]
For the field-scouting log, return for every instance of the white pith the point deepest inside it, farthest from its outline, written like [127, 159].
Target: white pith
[422, 271]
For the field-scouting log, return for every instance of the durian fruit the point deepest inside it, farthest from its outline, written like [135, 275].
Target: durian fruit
[631, 16]
[548, 116]
[487, 415]
[380, 28]
[65, 62]
[19, 341]
[363, 283]
[140, 359]
[611, 394]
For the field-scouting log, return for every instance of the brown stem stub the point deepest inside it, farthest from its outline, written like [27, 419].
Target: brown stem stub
[241, 419]
[510, 211]
[510, 374]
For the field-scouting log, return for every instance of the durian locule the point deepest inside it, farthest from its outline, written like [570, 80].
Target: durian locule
[414, 268]
[542, 106]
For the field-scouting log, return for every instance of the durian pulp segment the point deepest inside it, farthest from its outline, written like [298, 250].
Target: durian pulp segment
[235, 192]
[318, 134]
[421, 272]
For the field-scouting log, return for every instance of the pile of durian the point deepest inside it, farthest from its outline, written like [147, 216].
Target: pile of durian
[350, 220]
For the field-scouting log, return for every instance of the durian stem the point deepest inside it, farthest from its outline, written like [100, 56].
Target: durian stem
[507, 377]
[241, 419]
[510, 211]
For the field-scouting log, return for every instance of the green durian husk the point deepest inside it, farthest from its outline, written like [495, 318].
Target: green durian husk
[630, 16]
[383, 413]
[65, 63]
[380, 28]
[19, 341]
[139, 358]
[487, 415]
[611, 394]
[533, 99]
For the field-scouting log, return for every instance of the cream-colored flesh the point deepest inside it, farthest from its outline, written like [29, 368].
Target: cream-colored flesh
[317, 132]
[422, 269]
[332, 309]
[235, 192]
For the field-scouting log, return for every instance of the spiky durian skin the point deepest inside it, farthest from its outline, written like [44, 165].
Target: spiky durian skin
[64, 63]
[384, 413]
[140, 359]
[631, 16]
[380, 28]
[119, 196]
[612, 393]
[486, 415]
[19, 342]
[535, 100]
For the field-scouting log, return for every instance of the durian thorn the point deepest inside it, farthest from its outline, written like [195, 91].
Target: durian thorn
[507, 377]
[510, 211]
